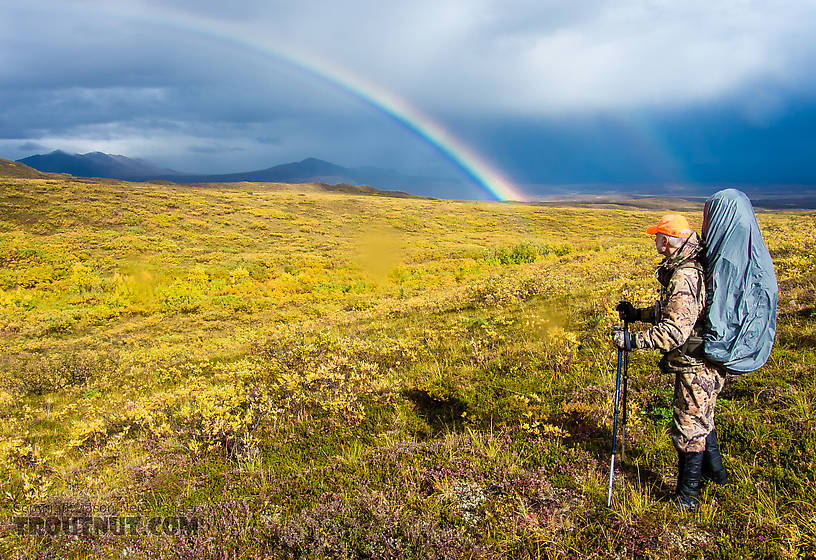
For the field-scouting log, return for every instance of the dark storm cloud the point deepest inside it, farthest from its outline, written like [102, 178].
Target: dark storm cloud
[214, 149]
[27, 112]
[31, 147]
[271, 140]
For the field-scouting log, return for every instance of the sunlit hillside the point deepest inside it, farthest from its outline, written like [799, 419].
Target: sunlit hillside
[314, 374]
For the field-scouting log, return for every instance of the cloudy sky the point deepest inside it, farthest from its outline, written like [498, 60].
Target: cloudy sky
[544, 92]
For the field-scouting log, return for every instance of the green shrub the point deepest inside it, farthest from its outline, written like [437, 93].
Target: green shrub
[85, 278]
[525, 252]
[58, 322]
[521, 253]
[24, 300]
[179, 298]
[233, 303]
[33, 374]
[557, 249]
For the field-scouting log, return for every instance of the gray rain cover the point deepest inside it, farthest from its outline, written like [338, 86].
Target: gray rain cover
[741, 288]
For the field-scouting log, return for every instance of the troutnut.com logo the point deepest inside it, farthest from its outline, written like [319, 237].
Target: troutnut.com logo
[117, 525]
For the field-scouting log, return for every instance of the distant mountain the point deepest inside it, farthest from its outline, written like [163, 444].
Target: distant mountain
[310, 170]
[313, 170]
[95, 164]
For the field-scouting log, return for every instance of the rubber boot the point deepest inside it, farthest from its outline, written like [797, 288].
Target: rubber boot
[688, 491]
[713, 469]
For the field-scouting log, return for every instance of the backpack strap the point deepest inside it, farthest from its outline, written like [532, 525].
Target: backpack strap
[694, 345]
[692, 263]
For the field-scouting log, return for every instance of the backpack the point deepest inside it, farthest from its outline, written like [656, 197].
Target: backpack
[741, 288]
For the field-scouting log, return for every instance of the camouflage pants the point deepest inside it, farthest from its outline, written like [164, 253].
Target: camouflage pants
[695, 395]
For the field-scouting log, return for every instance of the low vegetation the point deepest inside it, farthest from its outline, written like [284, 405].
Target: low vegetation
[314, 374]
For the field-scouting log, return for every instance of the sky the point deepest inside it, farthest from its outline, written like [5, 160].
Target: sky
[543, 94]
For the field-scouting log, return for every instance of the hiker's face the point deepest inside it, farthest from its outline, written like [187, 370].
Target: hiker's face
[661, 243]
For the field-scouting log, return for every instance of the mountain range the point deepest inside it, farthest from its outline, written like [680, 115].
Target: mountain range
[359, 179]
[310, 170]
[94, 164]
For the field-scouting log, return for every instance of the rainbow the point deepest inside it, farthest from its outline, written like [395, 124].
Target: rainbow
[387, 102]
[654, 151]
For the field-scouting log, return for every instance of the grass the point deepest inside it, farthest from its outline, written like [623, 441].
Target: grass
[323, 374]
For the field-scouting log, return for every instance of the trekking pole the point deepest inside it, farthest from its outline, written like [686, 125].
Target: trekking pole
[614, 430]
[625, 387]
[623, 358]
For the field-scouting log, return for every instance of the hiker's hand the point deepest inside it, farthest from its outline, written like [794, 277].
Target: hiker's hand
[627, 311]
[622, 339]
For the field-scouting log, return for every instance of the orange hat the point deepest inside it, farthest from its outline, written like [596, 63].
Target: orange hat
[673, 225]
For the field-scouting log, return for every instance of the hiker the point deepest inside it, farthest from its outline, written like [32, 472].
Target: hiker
[677, 317]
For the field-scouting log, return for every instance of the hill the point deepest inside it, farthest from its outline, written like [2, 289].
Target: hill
[16, 169]
[308, 170]
[302, 373]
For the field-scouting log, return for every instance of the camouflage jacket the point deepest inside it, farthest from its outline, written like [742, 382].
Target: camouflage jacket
[678, 314]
